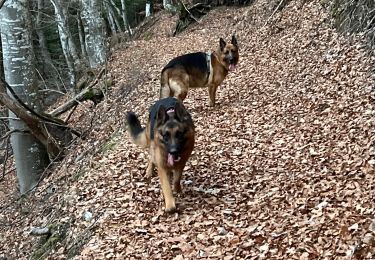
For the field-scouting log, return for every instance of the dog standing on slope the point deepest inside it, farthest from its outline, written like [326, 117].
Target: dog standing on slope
[169, 135]
[195, 70]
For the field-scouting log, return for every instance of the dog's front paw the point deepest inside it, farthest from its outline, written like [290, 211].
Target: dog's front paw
[170, 210]
[211, 104]
[170, 207]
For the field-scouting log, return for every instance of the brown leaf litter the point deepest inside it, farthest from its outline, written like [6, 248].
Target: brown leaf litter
[283, 167]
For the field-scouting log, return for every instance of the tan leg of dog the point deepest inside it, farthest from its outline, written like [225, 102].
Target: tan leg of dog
[150, 169]
[170, 204]
[177, 174]
[212, 95]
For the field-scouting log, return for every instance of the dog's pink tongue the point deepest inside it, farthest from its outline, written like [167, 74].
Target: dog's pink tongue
[170, 159]
[232, 67]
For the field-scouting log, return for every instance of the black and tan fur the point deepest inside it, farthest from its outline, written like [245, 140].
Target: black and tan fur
[196, 70]
[169, 136]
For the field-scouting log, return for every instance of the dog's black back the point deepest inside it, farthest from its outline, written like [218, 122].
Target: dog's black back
[189, 62]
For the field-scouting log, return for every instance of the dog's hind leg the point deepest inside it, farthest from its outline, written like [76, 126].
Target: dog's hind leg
[177, 174]
[170, 204]
[180, 87]
[165, 91]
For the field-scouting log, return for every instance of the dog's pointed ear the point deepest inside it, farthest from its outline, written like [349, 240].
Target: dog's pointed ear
[179, 111]
[162, 116]
[222, 44]
[234, 40]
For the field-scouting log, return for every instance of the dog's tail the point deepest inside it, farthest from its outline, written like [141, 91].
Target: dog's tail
[137, 132]
[165, 90]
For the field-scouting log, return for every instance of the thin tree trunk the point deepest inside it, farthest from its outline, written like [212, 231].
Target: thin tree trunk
[30, 155]
[125, 17]
[111, 19]
[50, 68]
[81, 36]
[148, 9]
[68, 46]
[95, 33]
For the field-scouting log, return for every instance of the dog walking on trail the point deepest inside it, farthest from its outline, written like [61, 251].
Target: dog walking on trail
[169, 136]
[198, 70]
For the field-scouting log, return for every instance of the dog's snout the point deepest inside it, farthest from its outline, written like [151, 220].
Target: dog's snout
[173, 150]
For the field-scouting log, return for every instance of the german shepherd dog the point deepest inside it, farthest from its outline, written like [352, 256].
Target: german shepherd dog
[169, 135]
[199, 69]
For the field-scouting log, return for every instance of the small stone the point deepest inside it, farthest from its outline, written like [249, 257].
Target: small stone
[222, 231]
[87, 216]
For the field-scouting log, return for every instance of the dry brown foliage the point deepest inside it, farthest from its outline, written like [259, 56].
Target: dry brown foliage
[283, 167]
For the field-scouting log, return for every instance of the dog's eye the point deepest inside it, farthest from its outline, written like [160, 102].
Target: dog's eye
[166, 136]
[226, 52]
[179, 134]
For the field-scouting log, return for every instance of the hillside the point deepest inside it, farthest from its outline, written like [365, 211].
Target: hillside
[283, 166]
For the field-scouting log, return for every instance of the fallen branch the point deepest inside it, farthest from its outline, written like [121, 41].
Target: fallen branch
[187, 10]
[274, 12]
[188, 15]
[5, 157]
[95, 94]
[39, 231]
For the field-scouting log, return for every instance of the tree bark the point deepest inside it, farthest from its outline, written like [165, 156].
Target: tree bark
[95, 33]
[30, 155]
[125, 17]
[81, 36]
[148, 9]
[68, 46]
[49, 68]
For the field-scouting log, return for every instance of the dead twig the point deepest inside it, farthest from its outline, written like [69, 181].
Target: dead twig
[274, 12]
[5, 157]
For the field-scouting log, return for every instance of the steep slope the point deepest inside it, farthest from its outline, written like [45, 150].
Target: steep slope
[283, 166]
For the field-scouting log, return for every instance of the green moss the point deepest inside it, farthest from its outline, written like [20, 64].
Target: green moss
[48, 242]
[147, 35]
[78, 175]
[111, 143]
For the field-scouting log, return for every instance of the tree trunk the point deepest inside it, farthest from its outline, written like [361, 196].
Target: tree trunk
[148, 9]
[49, 68]
[111, 19]
[68, 46]
[30, 155]
[111, 6]
[81, 36]
[95, 33]
[125, 17]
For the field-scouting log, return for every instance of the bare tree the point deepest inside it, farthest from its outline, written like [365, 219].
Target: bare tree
[68, 46]
[125, 17]
[30, 155]
[39, 24]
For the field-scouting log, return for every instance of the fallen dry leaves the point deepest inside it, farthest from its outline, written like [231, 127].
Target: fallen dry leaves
[283, 167]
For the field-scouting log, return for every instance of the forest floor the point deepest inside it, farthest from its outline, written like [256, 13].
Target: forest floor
[283, 166]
